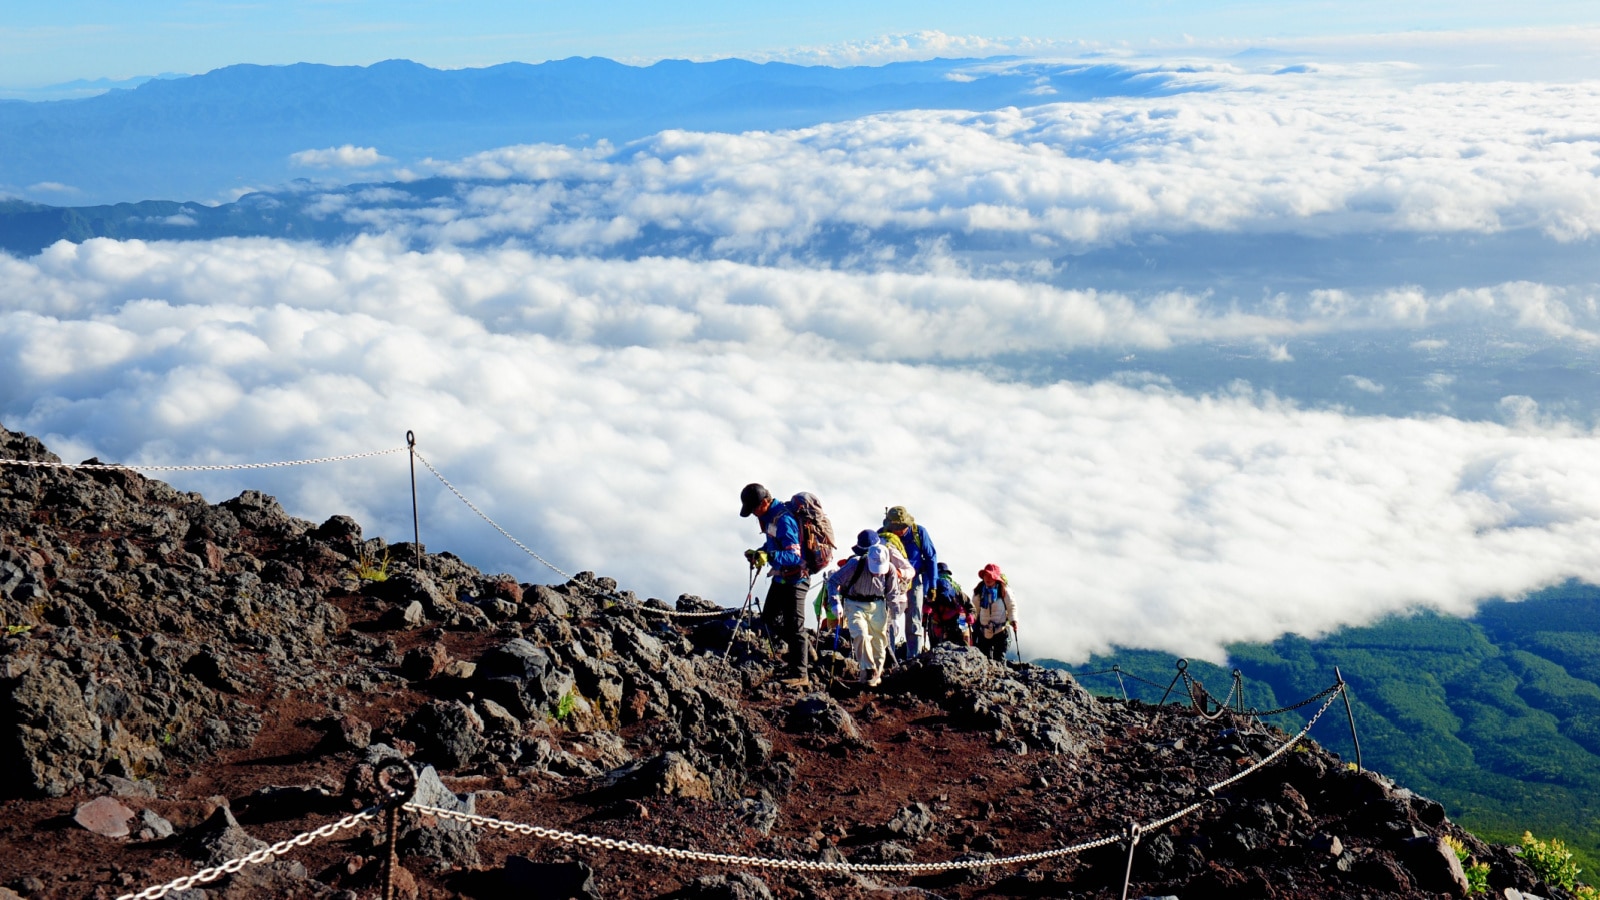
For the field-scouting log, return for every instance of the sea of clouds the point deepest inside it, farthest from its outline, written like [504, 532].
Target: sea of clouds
[600, 346]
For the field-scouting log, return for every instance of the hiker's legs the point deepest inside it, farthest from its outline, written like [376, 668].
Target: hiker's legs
[859, 615]
[877, 641]
[896, 615]
[996, 647]
[914, 635]
[785, 614]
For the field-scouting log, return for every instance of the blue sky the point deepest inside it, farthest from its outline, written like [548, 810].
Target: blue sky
[85, 39]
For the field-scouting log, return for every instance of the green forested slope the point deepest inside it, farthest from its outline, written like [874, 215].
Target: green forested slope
[1497, 717]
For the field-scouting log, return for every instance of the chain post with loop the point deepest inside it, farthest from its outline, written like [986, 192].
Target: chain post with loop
[1133, 845]
[1123, 687]
[1344, 691]
[398, 781]
[1238, 691]
[416, 527]
[1183, 669]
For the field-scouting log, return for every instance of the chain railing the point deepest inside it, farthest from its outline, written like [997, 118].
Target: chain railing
[265, 854]
[220, 467]
[401, 784]
[815, 865]
[681, 614]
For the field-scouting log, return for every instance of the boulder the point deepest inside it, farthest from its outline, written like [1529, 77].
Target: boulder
[664, 775]
[524, 678]
[735, 886]
[447, 732]
[1434, 866]
[820, 714]
[424, 662]
[446, 840]
[48, 734]
[104, 816]
[522, 877]
[914, 821]
[220, 838]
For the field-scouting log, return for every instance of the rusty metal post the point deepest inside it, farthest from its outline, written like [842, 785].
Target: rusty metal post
[416, 527]
[1344, 691]
[1133, 844]
[1183, 666]
[398, 781]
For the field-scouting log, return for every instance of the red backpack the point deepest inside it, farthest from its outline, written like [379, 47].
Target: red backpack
[816, 532]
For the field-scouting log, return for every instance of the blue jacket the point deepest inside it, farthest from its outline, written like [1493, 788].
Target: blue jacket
[920, 553]
[783, 542]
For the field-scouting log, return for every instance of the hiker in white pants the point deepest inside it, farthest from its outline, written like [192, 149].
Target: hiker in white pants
[862, 587]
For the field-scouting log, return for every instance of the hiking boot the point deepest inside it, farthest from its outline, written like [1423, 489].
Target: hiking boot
[875, 680]
[796, 681]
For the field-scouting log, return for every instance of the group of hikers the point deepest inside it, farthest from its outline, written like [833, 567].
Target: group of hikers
[891, 588]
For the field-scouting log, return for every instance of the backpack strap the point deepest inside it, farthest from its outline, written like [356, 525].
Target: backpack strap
[850, 589]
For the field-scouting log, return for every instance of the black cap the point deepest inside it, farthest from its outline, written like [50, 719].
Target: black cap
[752, 497]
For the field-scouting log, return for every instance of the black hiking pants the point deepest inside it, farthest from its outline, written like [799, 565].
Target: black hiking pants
[785, 616]
[996, 647]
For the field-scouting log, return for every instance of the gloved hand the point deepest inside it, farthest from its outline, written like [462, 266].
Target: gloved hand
[757, 558]
[835, 610]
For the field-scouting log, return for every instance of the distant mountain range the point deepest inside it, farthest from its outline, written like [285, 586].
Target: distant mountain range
[210, 137]
[1497, 717]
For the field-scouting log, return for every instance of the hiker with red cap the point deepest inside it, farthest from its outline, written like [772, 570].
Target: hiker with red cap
[784, 612]
[996, 612]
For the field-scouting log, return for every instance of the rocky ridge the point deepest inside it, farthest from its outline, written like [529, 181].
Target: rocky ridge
[184, 681]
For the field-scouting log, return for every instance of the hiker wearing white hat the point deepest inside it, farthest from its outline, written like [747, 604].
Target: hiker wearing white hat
[862, 588]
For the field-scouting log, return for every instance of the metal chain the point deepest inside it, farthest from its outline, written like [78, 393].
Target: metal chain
[1199, 695]
[1306, 702]
[139, 467]
[568, 837]
[529, 550]
[760, 862]
[484, 516]
[1155, 684]
[260, 856]
[1164, 822]
[1282, 748]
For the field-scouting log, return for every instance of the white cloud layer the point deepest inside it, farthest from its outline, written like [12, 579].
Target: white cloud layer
[1564, 52]
[608, 413]
[1303, 154]
[347, 156]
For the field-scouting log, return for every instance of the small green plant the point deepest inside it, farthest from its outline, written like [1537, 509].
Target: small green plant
[14, 630]
[1550, 860]
[565, 706]
[1477, 872]
[369, 568]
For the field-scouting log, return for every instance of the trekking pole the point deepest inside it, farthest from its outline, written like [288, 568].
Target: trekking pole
[833, 664]
[755, 572]
[893, 633]
[1018, 635]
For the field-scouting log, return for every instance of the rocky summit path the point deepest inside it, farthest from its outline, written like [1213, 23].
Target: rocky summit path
[183, 683]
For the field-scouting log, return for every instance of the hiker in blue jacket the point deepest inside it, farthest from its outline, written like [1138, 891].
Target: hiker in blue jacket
[785, 609]
[925, 559]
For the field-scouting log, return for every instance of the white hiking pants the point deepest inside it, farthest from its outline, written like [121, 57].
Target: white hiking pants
[866, 622]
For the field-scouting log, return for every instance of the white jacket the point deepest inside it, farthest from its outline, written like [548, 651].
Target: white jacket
[1000, 611]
